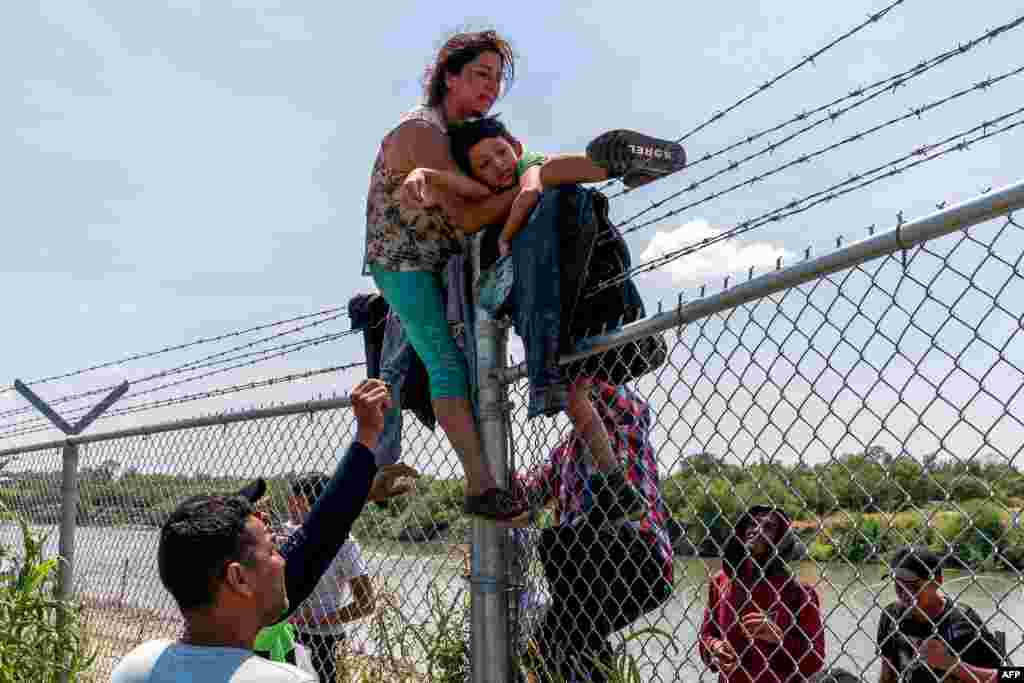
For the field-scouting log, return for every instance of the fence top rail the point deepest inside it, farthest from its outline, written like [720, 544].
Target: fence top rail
[984, 207]
[190, 423]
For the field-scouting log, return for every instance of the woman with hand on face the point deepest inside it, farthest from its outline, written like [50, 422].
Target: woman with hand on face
[762, 625]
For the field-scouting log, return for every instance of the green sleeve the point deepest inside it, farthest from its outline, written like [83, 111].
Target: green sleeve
[527, 160]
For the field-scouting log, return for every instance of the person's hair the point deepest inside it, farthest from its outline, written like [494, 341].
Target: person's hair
[465, 135]
[310, 486]
[925, 563]
[460, 50]
[198, 540]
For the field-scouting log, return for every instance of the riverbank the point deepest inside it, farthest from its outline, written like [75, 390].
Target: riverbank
[979, 533]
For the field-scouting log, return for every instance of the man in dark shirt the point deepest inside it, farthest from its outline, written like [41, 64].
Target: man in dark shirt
[924, 637]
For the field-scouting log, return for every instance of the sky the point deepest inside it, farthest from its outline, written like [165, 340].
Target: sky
[180, 170]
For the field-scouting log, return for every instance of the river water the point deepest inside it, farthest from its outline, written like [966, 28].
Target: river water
[120, 564]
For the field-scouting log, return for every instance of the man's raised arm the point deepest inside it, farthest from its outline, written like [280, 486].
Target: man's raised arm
[311, 548]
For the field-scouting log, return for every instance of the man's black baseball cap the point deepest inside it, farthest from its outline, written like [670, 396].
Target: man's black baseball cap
[254, 490]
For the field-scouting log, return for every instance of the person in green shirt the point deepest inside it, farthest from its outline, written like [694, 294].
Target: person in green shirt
[276, 643]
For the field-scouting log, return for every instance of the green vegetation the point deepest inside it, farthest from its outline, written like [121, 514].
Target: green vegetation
[435, 647]
[147, 499]
[861, 506]
[438, 642]
[40, 636]
[855, 507]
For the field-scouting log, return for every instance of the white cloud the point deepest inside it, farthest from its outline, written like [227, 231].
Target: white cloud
[712, 262]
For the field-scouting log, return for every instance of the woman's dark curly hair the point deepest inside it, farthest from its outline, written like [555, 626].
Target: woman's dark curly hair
[461, 49]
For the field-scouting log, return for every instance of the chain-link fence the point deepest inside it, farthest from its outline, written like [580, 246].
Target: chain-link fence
[406, 574]
[872, 395]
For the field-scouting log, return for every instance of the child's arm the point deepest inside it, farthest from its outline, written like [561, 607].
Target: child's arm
[530, 188]
[560, 169]
[565, 169]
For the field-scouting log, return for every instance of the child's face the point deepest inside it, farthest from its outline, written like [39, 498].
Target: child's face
[493, 161]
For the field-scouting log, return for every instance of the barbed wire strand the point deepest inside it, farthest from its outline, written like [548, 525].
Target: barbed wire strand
[176, 347]
[885, 85]
[185, 367]
[188, 398]
[828, 194]
[914, 112]
[296, 346]
[767, 85]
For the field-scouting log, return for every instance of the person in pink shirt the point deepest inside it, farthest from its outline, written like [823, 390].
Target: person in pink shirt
[761, 625]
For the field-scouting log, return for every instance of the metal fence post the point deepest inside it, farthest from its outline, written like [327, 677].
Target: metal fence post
[68, 521]
[490, 648]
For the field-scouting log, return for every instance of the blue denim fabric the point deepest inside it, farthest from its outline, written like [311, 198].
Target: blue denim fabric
[536, 303]
[396, 359]
[496, 285]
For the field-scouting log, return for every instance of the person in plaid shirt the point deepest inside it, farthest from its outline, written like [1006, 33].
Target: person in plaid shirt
[609, 559]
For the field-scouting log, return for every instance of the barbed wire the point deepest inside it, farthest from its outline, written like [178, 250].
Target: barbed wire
[279, 354]
[198, 396]
[792, 208]
[294, 347]
[256, 384]
[185, 367]
[914, 112]
[888, 84]
[767, 85]
[178, 347]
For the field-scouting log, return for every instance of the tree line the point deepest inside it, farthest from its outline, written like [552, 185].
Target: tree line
[933, 499]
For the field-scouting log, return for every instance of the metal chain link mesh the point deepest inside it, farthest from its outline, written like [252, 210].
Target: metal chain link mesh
[877, 407]
[128, 486]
